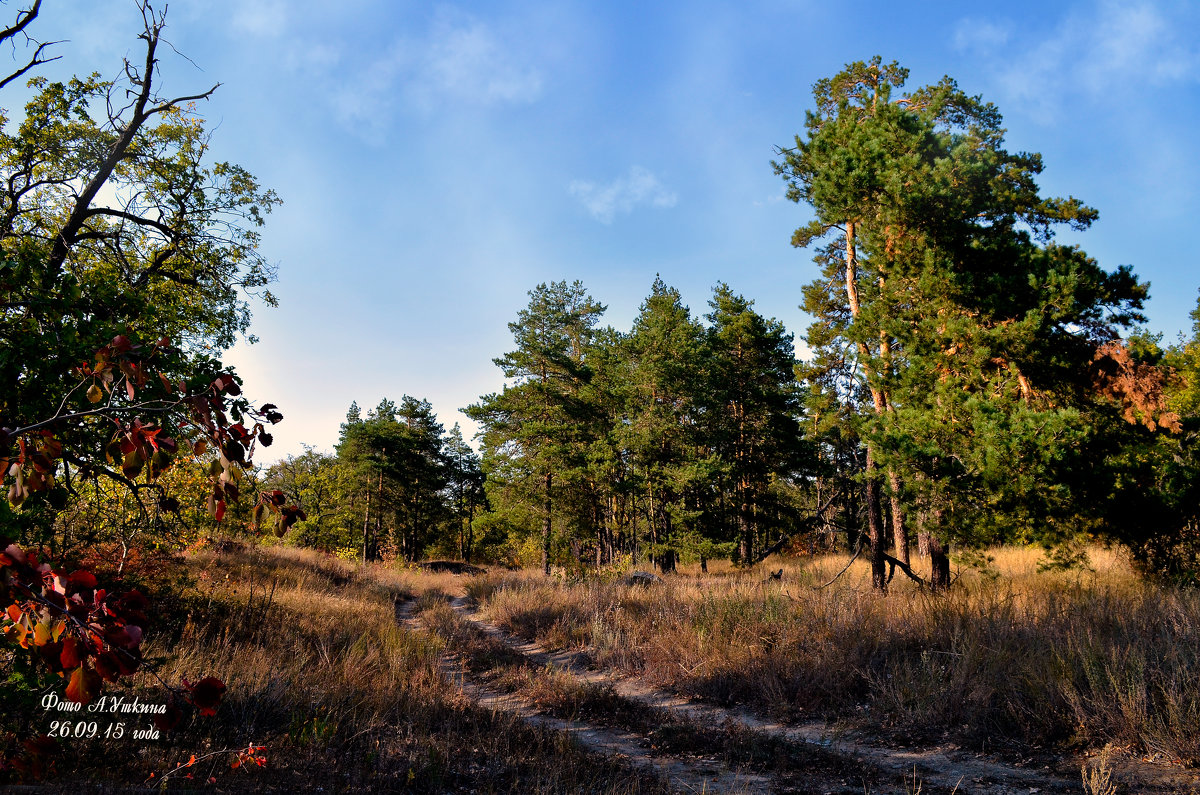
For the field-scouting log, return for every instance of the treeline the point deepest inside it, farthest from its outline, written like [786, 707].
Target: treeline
[398, 486]
[972, 381]
[676, 438]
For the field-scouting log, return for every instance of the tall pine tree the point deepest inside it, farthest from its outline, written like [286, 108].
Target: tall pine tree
[539, 421]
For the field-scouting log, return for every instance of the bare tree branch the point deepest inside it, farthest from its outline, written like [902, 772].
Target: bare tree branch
[36, 60]
[142, 110]
[24, 17]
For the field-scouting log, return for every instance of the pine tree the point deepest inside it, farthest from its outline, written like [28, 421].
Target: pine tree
[752, 414]
[539, 420]
[967, 326]
[396, 456]
[665, 353]
[464, 488]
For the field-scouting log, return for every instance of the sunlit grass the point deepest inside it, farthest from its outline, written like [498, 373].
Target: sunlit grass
[1012, 656]
[341, 696]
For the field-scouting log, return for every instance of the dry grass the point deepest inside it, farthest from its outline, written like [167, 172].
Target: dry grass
[340, 695]
[557, 693]
[1019, 660]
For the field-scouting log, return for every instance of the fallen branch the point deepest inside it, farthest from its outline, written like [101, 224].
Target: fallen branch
[857, 551]
[904, 567]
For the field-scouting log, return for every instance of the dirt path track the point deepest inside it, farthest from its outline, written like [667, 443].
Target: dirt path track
[684, 774]
[945, 767]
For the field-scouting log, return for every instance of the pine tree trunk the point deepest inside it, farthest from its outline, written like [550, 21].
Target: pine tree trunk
[652, 518]
[367, 531]
[939, 559]
[874, 507]
[923, 537]
[468, 536]
[939, 556]
[547, 526]
[899, 528]
[745, 524]
[875, 527]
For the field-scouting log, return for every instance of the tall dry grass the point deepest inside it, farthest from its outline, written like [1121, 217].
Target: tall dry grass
[341, 696]
[1017, 658]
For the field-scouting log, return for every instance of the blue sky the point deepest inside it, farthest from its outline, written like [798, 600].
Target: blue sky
[438, 160]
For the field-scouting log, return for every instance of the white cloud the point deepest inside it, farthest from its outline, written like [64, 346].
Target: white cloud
[1114, 48]
[465, 59]
[263, 18]
[459, 61]
[980, 35]
[638, 187]
[1137, 39]
[312, 58]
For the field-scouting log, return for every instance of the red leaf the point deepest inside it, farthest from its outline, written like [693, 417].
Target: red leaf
[132, 601]
[14, 553]
[170, 719]
[127, 637]
[226, 383]
[52, 655]
[107, 666]
[207, 693]
[219, 513]
[128, 663]
[73, 654]
[82, 579]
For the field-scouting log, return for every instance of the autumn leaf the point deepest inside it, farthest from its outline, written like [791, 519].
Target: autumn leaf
[126, 637]
[170, 719]
[41, 745]
[84, 685]
[41, 633]
[95, 394]
[73, 654]
[107, 666]
[132, 464]
[18, 634]
[82, 579]
[207, 693]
